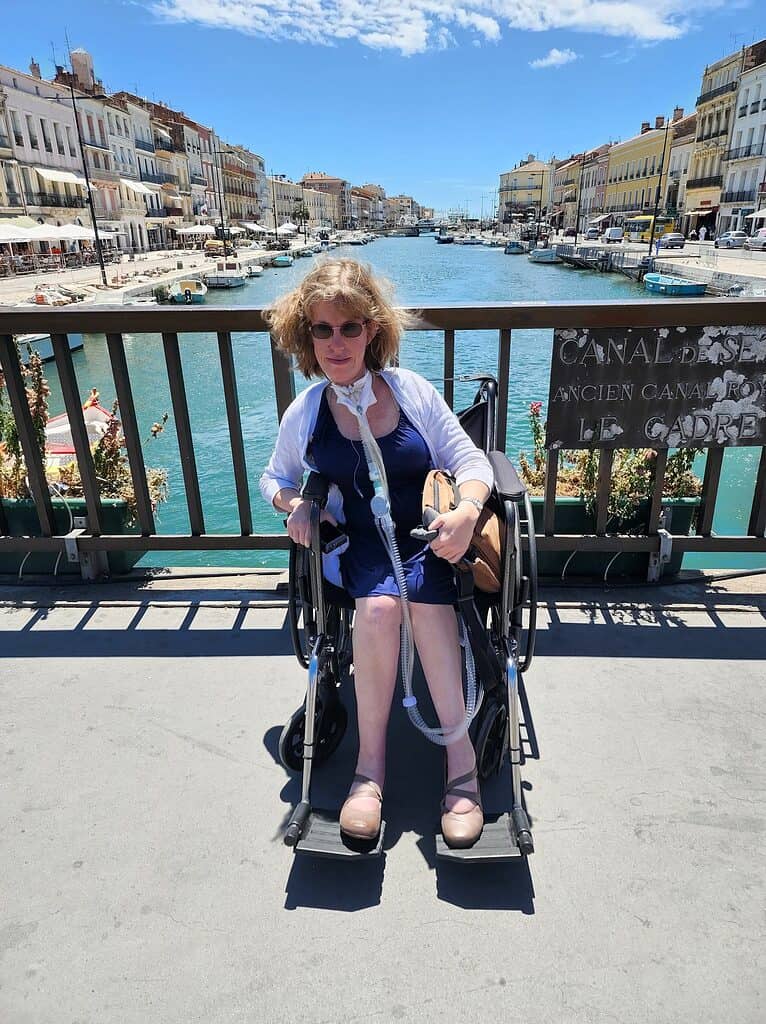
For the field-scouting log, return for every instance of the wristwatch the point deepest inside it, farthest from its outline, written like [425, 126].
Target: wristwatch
[473, 501]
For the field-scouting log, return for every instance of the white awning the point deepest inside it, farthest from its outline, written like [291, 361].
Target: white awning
[66, 177]
[136, 186]
[258, 228]
[758, 213]
[195, 229]
[174, 198]
[597, 220]
[701, 212]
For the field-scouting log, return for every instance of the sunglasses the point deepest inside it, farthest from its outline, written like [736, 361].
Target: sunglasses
[351, 329]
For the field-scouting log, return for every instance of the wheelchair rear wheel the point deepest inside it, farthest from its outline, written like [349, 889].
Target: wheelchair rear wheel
[330, 726]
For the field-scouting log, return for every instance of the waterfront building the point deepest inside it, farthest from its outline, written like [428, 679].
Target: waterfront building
[40, 164]
[405, 209]
[716, 115]
[377, 195]
[633, 172]
[338, 188]
[566, 178]
[287, 199]
[681, 149]
[592, 187]
[744, 162]
[147, 188]
[524, 192]
[362, 205]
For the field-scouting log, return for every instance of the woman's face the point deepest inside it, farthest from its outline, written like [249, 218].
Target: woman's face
[340, 358]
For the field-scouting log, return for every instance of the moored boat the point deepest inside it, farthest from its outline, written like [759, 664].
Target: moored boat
[666, 284]
[189, 291]
[59, 445]
[42, 344]
[253, 270]
[543, 254]
[284, 259]
[228, 273]
[514, 249]
[445, 239]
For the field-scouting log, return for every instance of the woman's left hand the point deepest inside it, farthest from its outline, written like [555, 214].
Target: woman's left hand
[455, 532]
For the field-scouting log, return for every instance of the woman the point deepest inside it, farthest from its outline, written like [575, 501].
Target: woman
[338, 325]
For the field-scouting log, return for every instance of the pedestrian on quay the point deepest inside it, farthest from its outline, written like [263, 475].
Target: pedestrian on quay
[703, 233]
[693, 235]
[340, 325]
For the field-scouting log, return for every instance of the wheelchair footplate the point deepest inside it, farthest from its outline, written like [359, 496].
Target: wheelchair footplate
[497, 844]
[322, 837]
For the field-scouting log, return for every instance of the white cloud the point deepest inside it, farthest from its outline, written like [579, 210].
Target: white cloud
[414, 26]
[554, 59]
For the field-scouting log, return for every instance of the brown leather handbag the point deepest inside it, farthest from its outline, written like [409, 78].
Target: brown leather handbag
[440, 492]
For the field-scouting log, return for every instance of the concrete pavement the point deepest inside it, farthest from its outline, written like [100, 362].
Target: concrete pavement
[144, 878]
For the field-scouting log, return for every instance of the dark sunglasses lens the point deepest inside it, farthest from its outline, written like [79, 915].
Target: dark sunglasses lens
[321, 331]
[351, 330]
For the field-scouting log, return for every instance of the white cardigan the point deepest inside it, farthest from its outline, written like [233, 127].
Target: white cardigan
[448, 444]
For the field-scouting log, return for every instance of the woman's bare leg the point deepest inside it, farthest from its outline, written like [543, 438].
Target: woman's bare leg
[376, 659]
[436, 637]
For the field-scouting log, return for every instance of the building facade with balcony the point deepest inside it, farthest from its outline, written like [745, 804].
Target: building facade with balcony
[592, 187]
[40, 167]
[523, 192]
[681, 148]
[565, 179]
[338, 188]
[717, 114]
[637, 168]
[744, 162]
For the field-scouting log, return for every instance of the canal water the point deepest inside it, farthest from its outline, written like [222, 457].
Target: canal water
[423, 273]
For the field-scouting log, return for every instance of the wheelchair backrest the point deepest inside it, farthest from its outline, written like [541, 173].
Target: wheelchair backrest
[479, 419]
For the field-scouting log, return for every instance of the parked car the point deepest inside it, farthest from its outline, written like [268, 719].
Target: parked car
[731, 240]
[592, 234]
[569, 232]
[612, 235]
[757, 241]
[671, 240]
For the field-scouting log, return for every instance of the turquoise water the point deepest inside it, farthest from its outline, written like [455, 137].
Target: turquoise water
[423, 273]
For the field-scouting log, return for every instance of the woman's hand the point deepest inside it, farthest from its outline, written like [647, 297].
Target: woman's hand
[299, 522]
[455, 532]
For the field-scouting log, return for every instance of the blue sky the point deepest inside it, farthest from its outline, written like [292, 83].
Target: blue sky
[425, 97]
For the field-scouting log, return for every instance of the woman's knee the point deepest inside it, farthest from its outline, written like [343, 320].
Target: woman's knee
[380, 614]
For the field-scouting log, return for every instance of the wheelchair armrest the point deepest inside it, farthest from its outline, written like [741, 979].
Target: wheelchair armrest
[507, 482]
[316, 488]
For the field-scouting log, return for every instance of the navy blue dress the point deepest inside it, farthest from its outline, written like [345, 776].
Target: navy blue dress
[365, 567]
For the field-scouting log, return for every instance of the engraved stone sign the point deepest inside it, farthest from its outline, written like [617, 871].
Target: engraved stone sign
[657, 387]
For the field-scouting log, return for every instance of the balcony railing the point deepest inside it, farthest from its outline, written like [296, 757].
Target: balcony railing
[5, 142]
[96, 143]
[165, 145]
[712, 93]
[156, 179]
[713, 135]
[53, 199]
[709, 182]
[175, 327]
[143, 144]
[746, 196]
[13, 199]
[198, 179]
[168, 179]
[742, 152]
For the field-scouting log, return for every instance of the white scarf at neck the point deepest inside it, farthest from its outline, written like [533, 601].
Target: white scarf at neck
[357, 397]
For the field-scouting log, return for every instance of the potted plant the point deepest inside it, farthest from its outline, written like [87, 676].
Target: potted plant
[112, 474]
[632, 483]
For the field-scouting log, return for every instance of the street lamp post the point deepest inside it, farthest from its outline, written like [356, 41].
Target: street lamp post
[99, 253]
[274, 202]
[659, 187]
[579, 197]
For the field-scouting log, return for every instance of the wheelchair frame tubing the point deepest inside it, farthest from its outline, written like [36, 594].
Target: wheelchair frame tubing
[301, 813]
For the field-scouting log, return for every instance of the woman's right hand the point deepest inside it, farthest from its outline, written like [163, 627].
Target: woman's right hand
[299, 522]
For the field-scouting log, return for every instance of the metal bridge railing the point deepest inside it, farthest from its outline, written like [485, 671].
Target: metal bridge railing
[173, 323]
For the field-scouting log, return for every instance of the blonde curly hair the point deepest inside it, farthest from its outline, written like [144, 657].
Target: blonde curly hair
[350, 285]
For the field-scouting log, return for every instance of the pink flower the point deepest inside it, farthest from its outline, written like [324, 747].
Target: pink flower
[535, 408]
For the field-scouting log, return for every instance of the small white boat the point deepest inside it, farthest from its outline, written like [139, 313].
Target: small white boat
[254, 270]
[42, 344]
[468, 240]
[543, 254]
[187, 291]
[228, 273]
[514, 248]
[284, 259]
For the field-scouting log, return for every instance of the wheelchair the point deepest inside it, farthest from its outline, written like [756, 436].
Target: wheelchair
[501, 632]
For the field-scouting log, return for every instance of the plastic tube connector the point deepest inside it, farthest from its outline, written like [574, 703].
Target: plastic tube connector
[409, 702]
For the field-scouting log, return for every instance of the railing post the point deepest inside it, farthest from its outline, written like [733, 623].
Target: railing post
[284, 378]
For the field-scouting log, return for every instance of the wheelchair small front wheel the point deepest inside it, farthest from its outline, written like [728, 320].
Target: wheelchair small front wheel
[490, 742]
[331, 723]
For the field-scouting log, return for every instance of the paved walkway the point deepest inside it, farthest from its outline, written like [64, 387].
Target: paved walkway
[140, 275]
[144, 878]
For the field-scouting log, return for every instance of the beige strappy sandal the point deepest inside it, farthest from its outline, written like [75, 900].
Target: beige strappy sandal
[358, 823]
[462, 829]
